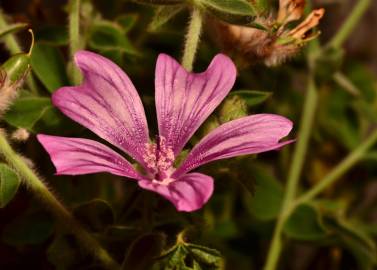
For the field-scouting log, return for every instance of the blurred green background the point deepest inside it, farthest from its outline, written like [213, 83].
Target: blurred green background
[337, 230]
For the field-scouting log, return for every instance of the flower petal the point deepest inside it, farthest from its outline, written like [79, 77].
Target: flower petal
[74, 156]
[248, 135]
[189, 193]
[184, 100]
[107, 103]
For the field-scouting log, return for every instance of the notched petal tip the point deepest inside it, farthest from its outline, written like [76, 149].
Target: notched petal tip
[83, 55]
[57, 98]
[185, 99]
[219, 60]
[224, 61]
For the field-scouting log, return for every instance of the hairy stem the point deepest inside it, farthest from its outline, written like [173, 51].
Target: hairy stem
[294, 172]
[45, 196]
[349, 25]
[192, 39]
[74, 37]
[12, 45]
[354, 157]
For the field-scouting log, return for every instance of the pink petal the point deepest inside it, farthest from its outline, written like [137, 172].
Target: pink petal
[189, 193]
[184, 100]
[248, 135]
[107, 103]
[73, 156]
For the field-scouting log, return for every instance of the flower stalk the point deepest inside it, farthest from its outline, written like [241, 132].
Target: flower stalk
[355, 156]
[192, 39]
[74, 36]
[290, 202]
[37, 186]
[294, 172]
[350, 23]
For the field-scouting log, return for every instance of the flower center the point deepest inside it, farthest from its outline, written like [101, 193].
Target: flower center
[159, 159]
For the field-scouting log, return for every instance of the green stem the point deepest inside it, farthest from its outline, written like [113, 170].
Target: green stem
[302, 142]
[275, 246]
[346, 84]
[354, 157]
[294, 172]
[36, 185]
[74, 36]
[192, 39]
[350, 23]
[12, 45]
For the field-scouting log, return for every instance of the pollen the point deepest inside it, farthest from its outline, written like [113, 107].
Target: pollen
[159, 157]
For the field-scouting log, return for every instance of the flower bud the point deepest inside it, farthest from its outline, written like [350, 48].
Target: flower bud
[12, 74]
[16, 67]
[275, 42]
[233, 107]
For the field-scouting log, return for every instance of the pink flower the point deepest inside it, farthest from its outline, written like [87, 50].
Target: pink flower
[108, 104]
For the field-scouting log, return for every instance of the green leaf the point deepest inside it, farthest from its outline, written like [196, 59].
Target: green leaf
[266, 201]
[160, 2]
[205, 256]
[30, 228]
[252, 97]
[127, 21]
[106, 35]
[48, 64]
[163, 15]
[148, 246]
[173, 259]
[26, 111]
[355, 240]
[96, 214]
[261, 5]
[305, 223]
[189, 256]
[53, 35]
[9, 183]
[9, 29]
[34, 114]
[233, 11]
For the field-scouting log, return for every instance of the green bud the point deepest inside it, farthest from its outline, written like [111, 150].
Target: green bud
[12, 74]
[210, 124]
[232, 108]
[180, 158]
[17, 67]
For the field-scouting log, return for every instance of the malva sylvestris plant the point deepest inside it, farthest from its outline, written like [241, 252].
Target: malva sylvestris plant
[108, 104]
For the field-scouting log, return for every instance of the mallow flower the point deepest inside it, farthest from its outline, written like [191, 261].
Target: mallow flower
[108, 104]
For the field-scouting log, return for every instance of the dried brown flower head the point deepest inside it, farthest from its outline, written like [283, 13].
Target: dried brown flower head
[277, 42]
[8, 91]
[20, 135]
